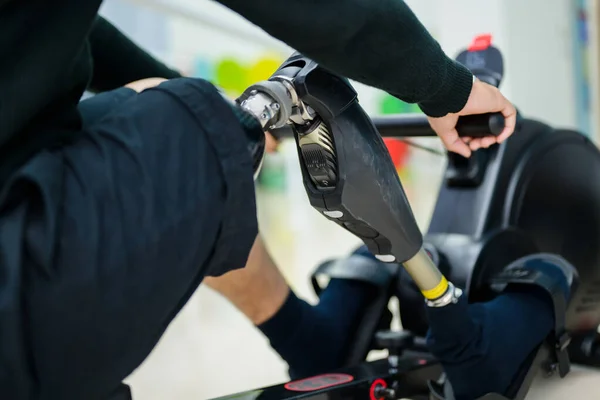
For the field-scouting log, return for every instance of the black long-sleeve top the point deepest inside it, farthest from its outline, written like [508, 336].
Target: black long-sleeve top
[118, 61]
[47, 64]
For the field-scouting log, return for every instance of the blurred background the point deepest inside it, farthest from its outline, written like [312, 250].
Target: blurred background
[551, 73]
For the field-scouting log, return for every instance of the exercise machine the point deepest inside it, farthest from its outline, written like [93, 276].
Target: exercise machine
[532, 199]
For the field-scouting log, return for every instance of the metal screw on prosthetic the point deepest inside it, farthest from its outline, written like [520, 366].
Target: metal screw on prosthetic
[269, 101]
[257, 112]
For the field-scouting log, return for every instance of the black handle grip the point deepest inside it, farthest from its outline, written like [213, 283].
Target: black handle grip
[480, 125]
[416, 125]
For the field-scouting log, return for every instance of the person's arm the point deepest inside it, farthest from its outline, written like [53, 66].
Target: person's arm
[380, 43]
[118, 61]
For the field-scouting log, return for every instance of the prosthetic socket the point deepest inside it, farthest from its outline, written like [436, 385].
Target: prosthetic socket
[347, 171]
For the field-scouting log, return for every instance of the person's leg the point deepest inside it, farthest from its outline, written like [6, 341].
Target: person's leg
[258, 290]
[311, 339]
[94, 108]
[106, 238]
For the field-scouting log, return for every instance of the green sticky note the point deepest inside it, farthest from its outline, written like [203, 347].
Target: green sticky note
[231, 75]
[392, 105]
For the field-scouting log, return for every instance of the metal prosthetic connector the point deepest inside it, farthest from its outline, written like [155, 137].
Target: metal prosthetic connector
[450, 297]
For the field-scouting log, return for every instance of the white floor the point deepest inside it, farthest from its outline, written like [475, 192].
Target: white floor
[211, 350]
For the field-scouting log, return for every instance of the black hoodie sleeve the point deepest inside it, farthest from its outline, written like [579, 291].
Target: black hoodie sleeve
[118, 61]
[380, 43]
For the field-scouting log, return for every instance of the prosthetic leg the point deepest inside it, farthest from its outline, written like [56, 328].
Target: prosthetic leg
[348, 174]
[350, 178]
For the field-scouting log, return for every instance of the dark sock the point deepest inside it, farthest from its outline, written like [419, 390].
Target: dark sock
[315, 339]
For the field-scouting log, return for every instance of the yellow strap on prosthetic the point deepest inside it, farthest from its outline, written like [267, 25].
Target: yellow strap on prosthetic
[437, 291]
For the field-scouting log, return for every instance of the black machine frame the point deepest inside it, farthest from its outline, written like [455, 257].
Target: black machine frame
[485, 229]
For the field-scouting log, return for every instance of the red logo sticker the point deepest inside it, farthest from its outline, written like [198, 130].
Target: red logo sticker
[318, 382]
